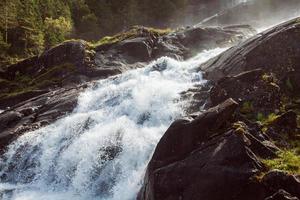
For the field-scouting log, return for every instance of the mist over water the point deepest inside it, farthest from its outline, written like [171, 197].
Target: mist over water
[100, 151]
[260, 14]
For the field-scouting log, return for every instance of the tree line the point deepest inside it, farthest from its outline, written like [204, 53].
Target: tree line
[27, 27]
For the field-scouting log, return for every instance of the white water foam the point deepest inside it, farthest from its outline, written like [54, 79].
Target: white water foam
[100, 151]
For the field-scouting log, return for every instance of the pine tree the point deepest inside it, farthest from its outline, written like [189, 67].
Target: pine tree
[8, 13]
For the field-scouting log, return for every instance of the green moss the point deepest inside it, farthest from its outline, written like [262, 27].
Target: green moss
[289, 84]
[51, 74]
[23, 79]
[16, 92]
[270, 118]
[266, 120]
[4, 82]
[288, 161]
[260, 117]
[247, 107]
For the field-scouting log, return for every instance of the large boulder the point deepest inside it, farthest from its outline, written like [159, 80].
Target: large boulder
[181, 44]
[277, 180]
[214, 156]
[209, 157]
[73, 52]
[275, 50]
[260, 73]
[282, 195]
[37, 112]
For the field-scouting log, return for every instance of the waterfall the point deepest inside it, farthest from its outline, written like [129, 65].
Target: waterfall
[101, 149]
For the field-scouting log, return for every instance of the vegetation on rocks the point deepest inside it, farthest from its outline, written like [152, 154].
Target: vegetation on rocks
[288, 161]
[134, 32]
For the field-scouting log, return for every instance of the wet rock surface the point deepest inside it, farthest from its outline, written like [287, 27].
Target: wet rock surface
[36, 113]
[274, 50]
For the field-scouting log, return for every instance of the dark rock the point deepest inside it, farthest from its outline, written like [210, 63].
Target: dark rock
[36, 112]
[269, 51]
[68, 52]
[188, 42]
[287, 121]
[15, 99]
[180, 44]
[190, 134]
[136, 49]
[248, 88]
[282, 195]
[206, 158]
[276, 180]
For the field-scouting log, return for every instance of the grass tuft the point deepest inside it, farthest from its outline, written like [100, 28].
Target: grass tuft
[288, 161]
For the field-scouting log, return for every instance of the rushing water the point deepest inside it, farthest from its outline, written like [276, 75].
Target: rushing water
[100, 151]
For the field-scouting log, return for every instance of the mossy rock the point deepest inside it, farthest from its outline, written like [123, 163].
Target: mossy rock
[134, 32]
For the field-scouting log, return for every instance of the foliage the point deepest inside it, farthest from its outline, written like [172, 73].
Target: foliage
[287, 161]
[28, 27]
[56, 30]
[289, 84]
[266, 120]
[247, 107]
[3, 45]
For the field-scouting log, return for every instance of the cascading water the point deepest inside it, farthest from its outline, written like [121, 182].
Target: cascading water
[101, 150]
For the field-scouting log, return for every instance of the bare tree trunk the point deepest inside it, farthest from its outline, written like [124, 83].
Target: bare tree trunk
[6, 21]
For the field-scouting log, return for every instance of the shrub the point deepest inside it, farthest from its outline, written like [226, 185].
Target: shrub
[247, 107]
[288, 161]
[56, 30]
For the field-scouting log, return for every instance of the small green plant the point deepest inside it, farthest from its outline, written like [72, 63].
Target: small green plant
[287, 161]
[56, 30]
[289, 84]
[260, 117]
[271, 118]
[247, 107]
[266, 120]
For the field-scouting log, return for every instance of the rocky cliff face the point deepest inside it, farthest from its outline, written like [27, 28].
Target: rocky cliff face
[252, 120]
